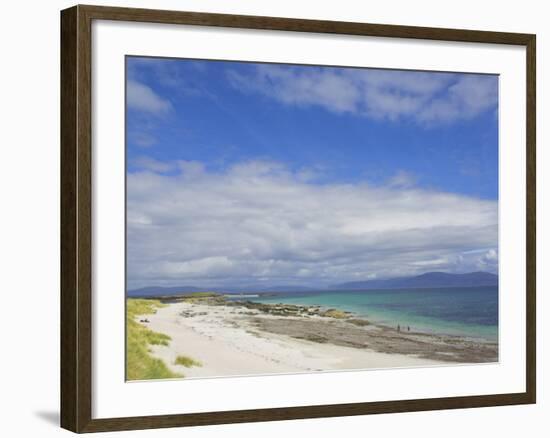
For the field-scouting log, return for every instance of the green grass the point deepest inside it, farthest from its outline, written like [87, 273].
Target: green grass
[140, 365]
[198, 297]
[202, 294]
[335, 313]
[137, 306]
[187, 361]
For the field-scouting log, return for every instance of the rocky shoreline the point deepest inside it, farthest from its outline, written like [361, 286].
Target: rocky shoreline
[341, 328]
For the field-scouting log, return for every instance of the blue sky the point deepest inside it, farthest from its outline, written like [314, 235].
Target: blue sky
[380, 137]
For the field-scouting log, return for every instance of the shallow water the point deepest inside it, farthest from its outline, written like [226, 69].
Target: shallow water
[470, 312]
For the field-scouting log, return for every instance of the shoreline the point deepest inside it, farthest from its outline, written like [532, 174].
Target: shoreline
[230, 338]
[405, 328]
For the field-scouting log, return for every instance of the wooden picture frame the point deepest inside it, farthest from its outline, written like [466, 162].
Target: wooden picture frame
[76, 217]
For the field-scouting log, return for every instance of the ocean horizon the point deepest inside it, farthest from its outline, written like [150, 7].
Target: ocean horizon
[471, 312]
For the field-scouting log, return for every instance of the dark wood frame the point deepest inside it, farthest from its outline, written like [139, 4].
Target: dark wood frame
[76, 219]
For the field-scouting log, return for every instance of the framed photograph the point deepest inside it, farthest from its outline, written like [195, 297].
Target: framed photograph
[271, 218]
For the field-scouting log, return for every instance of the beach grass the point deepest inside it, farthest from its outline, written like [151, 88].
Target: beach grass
[335, 313]
[199, 297]
[187, 361]
[202, 294]
[140, 365]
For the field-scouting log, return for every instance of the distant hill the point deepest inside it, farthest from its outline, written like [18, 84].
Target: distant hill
[157, 291]
[427, 280]
[289, 288]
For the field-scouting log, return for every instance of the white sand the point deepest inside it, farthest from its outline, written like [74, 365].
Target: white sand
[227, 345]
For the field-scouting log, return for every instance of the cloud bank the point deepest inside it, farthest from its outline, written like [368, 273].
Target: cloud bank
[423, 97]
[261, 223]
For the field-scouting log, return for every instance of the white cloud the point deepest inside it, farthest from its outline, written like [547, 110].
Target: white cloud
[259, 222]
[150, 164]
[187, 169]
[470, 96]
[423, 97]
[141, 97]
[190, 169]
[298, 87]
[142, 139]
[489, 260]
[402, 179]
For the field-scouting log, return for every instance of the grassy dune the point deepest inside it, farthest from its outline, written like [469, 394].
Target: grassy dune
[140, 365]
[187, 361]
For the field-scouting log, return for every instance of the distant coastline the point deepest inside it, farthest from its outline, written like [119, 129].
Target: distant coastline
[426, 280]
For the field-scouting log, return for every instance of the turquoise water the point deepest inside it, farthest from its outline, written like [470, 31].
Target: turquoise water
[470, 312]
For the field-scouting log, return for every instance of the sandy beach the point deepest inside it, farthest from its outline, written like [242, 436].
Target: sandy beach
[231, 339]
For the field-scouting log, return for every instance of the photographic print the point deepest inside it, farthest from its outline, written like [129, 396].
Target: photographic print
[295, 219]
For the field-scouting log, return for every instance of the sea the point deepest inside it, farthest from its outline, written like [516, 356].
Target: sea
[470, 312]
